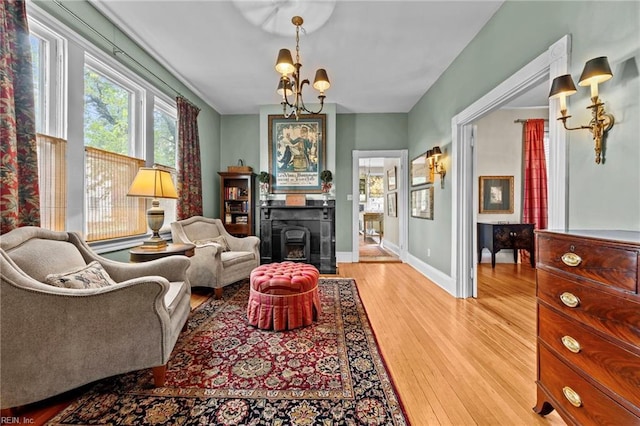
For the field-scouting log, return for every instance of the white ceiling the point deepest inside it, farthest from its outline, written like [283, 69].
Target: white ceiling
[381, 56]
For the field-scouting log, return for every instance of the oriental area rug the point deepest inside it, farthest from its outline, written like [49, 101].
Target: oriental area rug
[224, 372]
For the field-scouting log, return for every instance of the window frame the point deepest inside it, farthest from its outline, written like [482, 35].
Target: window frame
[68, 120]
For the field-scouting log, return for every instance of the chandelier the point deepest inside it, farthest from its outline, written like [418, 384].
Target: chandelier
[291, 83]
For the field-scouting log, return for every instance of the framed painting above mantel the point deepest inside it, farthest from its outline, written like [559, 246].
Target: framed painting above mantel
[297, 153]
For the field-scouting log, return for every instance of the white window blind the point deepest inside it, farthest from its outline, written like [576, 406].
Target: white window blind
[110, 213]
[52, 179]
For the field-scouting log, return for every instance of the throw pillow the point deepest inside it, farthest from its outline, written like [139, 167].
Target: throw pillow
[92, 275]
[219, 240]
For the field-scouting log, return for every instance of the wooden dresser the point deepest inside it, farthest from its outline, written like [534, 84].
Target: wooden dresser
[589, 326]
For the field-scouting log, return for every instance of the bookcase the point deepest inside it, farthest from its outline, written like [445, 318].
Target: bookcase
[237, 191]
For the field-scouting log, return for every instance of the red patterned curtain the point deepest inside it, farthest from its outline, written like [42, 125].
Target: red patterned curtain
[189, 171]
[535, 176]
[19, 194]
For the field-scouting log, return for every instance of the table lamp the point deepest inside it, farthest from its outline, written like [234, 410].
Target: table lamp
[153, 183]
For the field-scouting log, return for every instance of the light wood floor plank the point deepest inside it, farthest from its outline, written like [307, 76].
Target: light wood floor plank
[457, 362]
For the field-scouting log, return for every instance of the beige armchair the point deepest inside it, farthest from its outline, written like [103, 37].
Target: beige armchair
[55, 339]
[211, 265]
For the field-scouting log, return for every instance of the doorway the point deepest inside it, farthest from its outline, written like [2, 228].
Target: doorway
[378, 212]
[554, 61]
[379, 225]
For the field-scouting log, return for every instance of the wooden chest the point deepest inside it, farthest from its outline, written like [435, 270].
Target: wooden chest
[589, 326]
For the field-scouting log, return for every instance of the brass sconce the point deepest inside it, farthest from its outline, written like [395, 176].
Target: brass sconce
[438, 168]
[595, 71]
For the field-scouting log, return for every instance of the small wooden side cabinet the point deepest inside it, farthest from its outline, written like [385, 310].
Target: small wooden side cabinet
[498, 236]
[139, 254]
[589, 326]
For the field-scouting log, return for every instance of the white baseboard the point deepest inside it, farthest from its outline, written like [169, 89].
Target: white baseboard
[344, 257]
[439, 278]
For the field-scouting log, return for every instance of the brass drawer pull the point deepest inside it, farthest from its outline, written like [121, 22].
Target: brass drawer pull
[571, 344]
[571, 259]
[569, 299]
[572, 396]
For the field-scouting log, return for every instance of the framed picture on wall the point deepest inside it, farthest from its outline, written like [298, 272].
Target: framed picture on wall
[419, 170]
[496, 194]
[392, 199]
[422, 203]
[391, 179]
[297, 153]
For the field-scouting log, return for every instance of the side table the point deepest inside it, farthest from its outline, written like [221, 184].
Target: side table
[139, 254]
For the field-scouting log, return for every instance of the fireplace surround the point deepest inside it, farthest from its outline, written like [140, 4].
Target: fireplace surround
[315, 221]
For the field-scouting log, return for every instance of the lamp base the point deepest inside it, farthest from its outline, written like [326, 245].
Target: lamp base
[154, 243]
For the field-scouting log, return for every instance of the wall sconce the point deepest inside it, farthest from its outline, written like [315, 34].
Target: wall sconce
[438, 168]
[595, 71]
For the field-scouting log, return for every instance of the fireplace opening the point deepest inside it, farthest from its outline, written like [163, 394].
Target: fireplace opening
[295, 243]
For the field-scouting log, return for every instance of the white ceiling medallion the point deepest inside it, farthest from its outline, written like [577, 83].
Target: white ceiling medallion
[274, 16]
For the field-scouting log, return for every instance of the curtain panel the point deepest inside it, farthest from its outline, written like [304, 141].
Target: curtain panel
[19, 193]
[535, 177]
[189, 168]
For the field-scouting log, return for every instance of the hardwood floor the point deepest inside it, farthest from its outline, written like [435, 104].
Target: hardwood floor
[454, 362]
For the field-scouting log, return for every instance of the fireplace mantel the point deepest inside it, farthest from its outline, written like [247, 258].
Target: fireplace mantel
[319, 219]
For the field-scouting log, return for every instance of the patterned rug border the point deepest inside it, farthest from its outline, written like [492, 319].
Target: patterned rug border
[198, 317]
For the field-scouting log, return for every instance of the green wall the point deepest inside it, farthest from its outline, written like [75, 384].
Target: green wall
[518, 33]
[363, 132]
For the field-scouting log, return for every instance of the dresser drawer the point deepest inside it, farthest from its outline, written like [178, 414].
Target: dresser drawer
[610, 313]
[607, 265]
[615, 368]
[594, 407]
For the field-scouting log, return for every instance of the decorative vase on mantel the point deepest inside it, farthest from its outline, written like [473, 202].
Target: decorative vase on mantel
[326, 189]
[264, 193]
[326, 177]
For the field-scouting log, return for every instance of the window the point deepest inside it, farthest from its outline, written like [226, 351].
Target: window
[121, 123]
[47, 51]
[165, 139]
[111, 147]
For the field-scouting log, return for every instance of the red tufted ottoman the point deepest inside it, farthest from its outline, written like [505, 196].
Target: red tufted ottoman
[283, 296]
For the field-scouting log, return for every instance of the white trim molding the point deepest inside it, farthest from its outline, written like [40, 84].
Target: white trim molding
[554, 61]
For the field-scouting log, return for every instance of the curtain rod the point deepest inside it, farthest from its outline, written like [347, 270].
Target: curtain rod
[524, 120]
[118, 49]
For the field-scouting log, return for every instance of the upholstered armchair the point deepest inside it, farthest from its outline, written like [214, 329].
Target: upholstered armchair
[70, 317]
[217, 262]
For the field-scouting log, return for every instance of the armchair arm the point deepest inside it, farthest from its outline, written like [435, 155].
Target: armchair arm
[173, 268]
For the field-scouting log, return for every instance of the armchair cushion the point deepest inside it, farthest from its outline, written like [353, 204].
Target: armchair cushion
[92, 275]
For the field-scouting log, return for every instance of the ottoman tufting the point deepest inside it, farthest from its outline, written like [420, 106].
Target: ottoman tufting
[283, 296]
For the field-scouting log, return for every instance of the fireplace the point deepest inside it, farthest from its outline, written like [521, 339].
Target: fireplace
[282, 226]
[295, 243]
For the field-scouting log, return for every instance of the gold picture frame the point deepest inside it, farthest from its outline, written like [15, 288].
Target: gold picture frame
[297, 153]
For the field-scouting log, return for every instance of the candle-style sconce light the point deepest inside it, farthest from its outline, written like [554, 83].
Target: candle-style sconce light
[433, 156]
[595, 71]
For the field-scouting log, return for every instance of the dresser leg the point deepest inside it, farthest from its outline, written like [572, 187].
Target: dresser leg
[543, 407]
[493, 260]
[515, 255]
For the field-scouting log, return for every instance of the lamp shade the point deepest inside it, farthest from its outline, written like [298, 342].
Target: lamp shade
[284, 64]
[321, 82]
[596, 70]
[562, 85]
[429, 153]
[435, 152]
[152, 183]
[282, 84]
